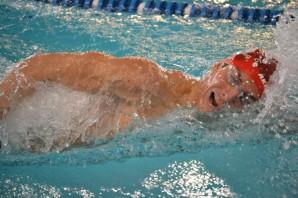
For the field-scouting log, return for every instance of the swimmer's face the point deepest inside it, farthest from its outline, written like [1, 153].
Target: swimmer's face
[227, 86]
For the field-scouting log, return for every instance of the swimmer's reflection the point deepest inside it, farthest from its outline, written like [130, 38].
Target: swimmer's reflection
[135, 86]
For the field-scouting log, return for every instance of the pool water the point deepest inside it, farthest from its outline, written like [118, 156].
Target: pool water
[249, 153]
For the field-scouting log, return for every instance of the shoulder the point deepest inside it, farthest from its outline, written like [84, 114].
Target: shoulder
[66, 55]
[142, 64]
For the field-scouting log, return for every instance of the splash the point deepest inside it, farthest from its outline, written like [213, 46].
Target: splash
[281, 98]
[42, 119]
[56, 117]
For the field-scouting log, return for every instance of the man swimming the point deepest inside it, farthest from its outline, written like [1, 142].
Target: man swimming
[136, 86]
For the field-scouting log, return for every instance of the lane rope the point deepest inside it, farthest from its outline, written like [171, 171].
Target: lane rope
[241, 13]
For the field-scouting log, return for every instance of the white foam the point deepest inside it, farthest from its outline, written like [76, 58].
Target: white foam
[55, 117]
[286, 76]
[44, 117]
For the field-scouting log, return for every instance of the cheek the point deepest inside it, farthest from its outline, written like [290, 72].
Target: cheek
[235, 103]
[249, 87]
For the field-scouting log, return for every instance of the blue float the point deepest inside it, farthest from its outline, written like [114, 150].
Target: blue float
[228, 12]
[160, 7]
[205, 11]
[194, 10]
[77, 3]
[67, 3]
[102, 4]
[123, 5]
[133, 5]
[242, 13]
[180, 9]
[111, 5]
[170, 8]
[216, 13]
[87, 4]
[149, 6]
[265, 16]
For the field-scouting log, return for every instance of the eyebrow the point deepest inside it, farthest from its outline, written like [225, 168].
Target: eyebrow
[224, 65]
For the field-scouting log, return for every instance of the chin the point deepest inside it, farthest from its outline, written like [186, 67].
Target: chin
[206, 106]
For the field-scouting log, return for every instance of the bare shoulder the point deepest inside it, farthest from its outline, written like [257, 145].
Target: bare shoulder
[78, 65]
[88, 57]
[143, 65]
[141, 61]
[74, 56]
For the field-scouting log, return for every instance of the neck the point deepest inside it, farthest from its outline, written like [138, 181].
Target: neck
[188, 90]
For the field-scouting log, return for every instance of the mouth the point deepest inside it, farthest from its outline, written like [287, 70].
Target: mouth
[212, 99]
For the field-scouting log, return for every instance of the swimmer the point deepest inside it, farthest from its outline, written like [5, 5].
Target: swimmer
[138, 86]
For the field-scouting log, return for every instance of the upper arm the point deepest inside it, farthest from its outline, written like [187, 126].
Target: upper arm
[80, 71]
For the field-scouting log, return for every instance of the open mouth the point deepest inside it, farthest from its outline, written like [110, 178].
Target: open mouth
[212, 99]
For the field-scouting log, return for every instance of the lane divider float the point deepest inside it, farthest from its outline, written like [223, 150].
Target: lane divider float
[241, 13]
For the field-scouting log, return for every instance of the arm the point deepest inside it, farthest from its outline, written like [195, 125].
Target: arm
[142, 85]
[69, 69]
[130, 89]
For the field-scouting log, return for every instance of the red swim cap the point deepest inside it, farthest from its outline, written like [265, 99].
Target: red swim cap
[255, 65]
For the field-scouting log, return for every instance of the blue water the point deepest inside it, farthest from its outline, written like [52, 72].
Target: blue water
[253, 153]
